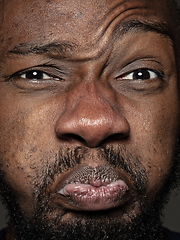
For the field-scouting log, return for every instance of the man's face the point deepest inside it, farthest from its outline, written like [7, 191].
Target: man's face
[89, 108]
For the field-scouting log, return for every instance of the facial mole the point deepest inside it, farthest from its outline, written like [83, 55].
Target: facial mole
[34, 149]
[16, 25]
[20, 167]
[7, 164]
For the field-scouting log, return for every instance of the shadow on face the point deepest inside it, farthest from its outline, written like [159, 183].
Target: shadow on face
[89, 111]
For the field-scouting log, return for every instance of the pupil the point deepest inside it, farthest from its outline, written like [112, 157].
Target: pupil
[141, 74]
[34, 75]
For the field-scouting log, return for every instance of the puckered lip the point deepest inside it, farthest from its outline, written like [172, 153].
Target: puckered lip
[87, 188]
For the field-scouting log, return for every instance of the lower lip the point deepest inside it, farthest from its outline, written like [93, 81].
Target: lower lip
[89, 198]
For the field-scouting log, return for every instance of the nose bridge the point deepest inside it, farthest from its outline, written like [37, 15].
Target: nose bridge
[94, 107]
[91, 115]
[90, 94]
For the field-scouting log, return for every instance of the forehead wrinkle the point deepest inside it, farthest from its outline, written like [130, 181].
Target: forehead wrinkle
[114, 24]
[98, 42]
[61, 50]
[104, 33]
[116, 19]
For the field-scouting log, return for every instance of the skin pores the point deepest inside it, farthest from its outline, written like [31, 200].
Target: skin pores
[68, 80]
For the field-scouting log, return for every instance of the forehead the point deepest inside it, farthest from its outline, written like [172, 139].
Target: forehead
[80, 21]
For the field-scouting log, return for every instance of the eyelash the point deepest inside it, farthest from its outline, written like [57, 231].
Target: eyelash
[45, 76]
[35, 73]
[138, 74]
[48, 76]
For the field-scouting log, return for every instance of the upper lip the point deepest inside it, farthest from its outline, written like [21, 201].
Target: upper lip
[101, 175]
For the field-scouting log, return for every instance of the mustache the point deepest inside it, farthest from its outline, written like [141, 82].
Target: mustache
[115, 156]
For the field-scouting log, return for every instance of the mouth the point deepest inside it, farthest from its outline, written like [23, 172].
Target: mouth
[92, 189]
[90, 198]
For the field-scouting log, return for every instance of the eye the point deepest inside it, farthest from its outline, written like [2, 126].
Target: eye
[35, 75]
[41, 77]
[140, 74]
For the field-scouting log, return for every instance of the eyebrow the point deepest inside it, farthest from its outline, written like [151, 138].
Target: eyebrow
[54, 48]
[64, 49]
[145, 26]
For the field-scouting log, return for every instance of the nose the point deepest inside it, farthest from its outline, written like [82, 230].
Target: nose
[91, 119]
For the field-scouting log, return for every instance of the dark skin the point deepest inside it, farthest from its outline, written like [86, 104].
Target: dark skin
[86, 97]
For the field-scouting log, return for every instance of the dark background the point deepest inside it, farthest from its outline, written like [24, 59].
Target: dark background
[172, 211]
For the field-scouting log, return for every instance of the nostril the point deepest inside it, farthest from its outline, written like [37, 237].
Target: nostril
[115, 138]
[72, 138]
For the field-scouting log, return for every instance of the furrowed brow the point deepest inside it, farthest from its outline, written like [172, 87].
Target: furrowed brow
[55, 49]
[60, 50]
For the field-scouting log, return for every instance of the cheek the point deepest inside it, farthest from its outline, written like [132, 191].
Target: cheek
[154, 136]
[27, 125]
[26, 139]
